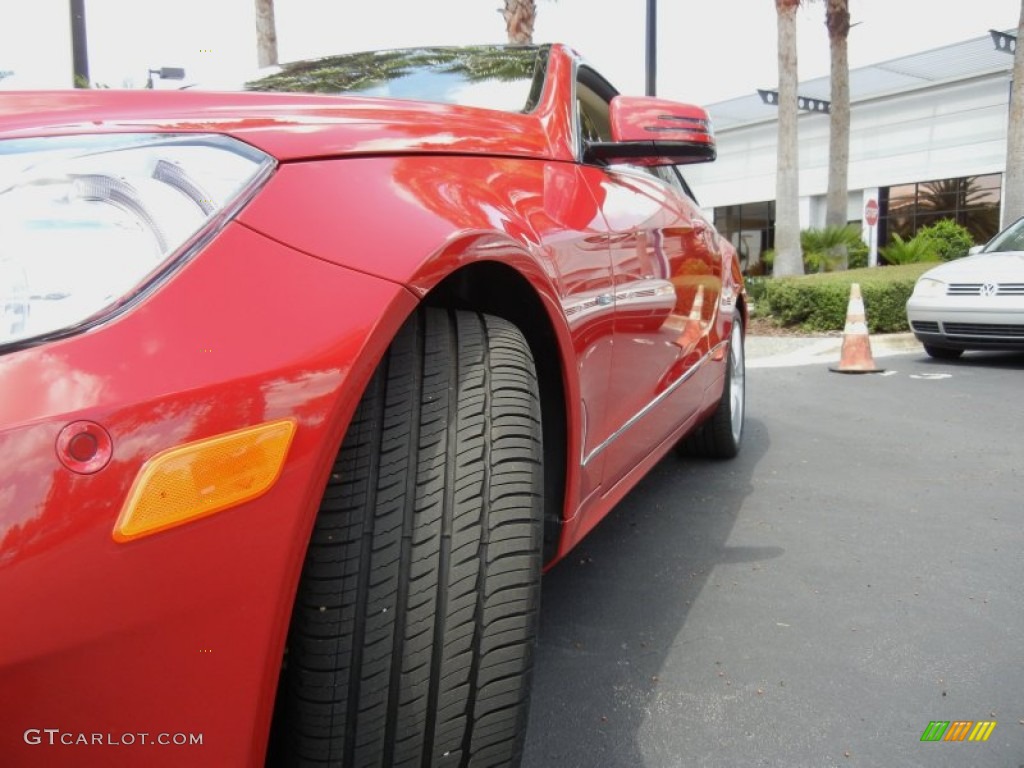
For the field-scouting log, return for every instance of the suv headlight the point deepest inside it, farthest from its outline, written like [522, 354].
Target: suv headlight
[928, 288]
[87, 223]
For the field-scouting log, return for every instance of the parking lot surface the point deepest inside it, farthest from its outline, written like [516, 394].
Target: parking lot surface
[854, 575]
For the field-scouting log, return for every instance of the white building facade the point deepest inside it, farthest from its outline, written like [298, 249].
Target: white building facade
[927, 142]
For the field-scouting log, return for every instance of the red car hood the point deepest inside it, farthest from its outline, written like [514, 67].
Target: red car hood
[287, 126]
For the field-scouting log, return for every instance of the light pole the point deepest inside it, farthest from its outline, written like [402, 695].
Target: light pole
[652, 46]
[79, 47]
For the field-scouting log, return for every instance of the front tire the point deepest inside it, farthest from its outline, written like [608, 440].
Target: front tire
[942, 353]
[412, 636]
[720, 436]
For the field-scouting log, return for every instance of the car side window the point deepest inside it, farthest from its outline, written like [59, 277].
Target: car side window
[587, 128]
[668, 175]
[593, 123]
[593, 95]
[676, 179]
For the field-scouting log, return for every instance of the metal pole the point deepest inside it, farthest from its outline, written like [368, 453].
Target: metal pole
[652, 45]
[79, 48]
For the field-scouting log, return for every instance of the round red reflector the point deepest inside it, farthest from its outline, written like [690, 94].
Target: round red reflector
[84, 447]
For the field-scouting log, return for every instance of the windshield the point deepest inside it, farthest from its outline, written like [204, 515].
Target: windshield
[1010, 239]
[496, 77]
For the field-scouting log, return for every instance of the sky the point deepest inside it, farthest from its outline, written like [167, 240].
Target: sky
[707, 51]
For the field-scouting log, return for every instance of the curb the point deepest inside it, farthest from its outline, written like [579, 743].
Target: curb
[780, 351]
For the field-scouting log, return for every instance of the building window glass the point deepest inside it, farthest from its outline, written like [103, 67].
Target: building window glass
[971, 201]
[750, 227]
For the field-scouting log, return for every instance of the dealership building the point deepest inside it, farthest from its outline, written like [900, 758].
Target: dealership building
[927, 142]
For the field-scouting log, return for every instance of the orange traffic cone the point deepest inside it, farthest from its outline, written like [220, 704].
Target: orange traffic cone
[693, 328]
[856, 352]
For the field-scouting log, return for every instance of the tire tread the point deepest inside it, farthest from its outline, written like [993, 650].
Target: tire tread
[412, 634]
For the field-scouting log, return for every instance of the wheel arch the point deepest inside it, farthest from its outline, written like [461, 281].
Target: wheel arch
[496, 288]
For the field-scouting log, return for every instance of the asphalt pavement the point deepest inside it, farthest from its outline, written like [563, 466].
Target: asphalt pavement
[851, 578]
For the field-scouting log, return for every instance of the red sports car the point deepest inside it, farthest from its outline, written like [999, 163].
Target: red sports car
[303, 386]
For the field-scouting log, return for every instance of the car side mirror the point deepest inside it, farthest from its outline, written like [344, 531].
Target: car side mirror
[649, 131]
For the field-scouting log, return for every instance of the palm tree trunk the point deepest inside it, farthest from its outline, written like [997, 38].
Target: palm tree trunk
[266, 33]
[519, 17]
[837, 20]
[788, 258]
[1013, 194]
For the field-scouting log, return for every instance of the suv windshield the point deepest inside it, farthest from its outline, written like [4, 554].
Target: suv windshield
[494, 76]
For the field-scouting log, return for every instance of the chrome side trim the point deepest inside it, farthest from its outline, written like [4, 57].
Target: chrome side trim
[651, 405]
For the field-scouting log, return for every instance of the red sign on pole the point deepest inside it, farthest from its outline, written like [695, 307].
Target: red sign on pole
[871, 212]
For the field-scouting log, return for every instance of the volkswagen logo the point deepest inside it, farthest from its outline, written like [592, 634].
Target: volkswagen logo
[989, 289]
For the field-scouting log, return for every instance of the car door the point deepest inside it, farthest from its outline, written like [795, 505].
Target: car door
[667, 282]
[574, 237]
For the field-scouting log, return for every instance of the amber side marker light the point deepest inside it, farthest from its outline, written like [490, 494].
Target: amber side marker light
[197, 479]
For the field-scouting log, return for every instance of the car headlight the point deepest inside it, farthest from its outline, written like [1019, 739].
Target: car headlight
[928, 287]
[88, 223]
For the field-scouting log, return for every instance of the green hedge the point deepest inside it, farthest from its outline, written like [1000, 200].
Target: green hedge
[820, 302]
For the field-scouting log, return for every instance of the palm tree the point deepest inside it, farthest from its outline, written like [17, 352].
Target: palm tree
[788, 258]
[363, 71]
[837, 21]
[1013, 200]
[266, 33]
[519, 18]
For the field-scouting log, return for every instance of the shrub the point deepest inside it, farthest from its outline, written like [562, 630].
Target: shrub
[818, 246]
[948, 239]
[812, 307]
[913, 251]
[756, 287]
[824, 249]
[819, 302]
[857, 255]
[759, 268]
